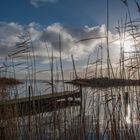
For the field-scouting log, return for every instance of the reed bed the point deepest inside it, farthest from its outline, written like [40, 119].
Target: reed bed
[103, 112]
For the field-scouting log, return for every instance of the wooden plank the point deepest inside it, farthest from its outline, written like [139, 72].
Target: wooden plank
[38, 104]
[55, 96]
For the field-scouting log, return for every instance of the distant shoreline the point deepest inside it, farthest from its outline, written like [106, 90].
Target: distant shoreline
[4, 81]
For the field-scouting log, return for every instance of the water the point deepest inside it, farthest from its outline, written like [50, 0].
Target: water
[99, 107]
[40, 87]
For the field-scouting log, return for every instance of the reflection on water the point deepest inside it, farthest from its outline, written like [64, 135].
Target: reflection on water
[128, 116]
[40, 87]
[100, 102]
[127, 112]
[105, 112]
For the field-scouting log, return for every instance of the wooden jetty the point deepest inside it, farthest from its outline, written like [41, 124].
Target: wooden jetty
[38, 104]
[104, 82]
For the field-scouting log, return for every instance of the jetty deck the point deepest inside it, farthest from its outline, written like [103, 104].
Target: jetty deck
[38, 104]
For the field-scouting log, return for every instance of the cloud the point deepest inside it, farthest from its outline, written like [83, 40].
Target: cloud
[9, 33]
[70, 43]
[73, 42]
[49, 36]
[37, 3]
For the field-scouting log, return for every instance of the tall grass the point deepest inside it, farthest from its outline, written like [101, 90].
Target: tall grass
[106, 112]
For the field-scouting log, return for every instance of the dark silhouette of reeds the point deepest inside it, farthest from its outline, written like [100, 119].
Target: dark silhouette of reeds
[100, 105]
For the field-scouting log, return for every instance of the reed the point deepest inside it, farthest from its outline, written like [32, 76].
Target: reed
[100, 105]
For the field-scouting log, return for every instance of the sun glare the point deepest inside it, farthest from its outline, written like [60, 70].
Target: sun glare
[128, 46]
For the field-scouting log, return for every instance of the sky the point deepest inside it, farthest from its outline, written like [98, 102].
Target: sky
[75, 13]
[72, 19]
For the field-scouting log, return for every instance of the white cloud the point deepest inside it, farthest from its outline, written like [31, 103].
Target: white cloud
[49, 35]
[9, 33]
[70, 44]
[69, 38]
[37, 3]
